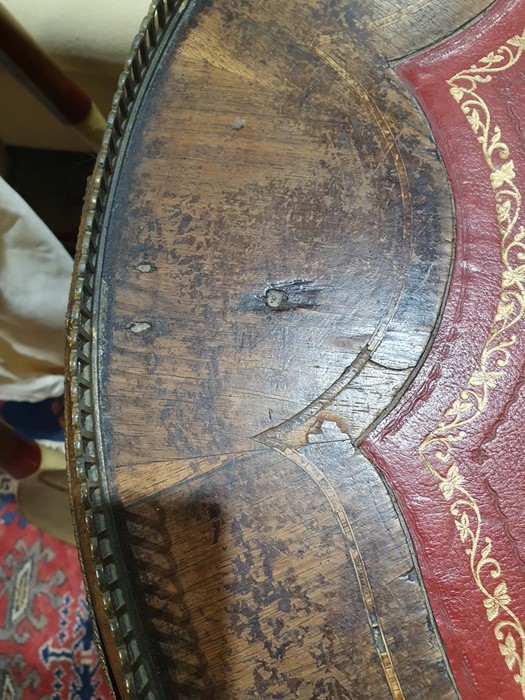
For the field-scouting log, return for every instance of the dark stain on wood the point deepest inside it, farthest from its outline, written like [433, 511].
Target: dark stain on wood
[280, 219]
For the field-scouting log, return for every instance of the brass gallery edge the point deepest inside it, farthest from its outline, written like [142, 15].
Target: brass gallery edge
[84, 451]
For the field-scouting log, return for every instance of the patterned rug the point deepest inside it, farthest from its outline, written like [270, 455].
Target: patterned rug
[47, 651]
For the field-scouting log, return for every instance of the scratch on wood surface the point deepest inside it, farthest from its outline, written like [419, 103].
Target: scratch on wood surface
[213, 54]
[398, 15]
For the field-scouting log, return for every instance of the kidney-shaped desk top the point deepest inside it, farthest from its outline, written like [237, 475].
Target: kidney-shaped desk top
[296, 354]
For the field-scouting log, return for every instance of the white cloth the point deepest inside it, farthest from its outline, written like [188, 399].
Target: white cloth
[35, 274]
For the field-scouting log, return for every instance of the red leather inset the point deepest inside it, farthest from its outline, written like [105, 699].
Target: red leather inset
[453, 450]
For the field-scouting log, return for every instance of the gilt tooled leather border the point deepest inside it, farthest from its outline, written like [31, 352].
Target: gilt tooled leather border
[452, 450]
[438, 449]
[84, 451]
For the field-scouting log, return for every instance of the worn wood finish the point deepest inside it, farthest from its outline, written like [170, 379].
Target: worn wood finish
[399, 28]
[270, 250]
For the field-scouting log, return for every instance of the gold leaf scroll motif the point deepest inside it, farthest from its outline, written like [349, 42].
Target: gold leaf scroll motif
[438, 449]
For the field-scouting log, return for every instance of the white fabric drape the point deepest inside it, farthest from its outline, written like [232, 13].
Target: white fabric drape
[35, 274]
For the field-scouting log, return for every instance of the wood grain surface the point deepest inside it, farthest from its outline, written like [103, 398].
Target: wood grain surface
[267, 252]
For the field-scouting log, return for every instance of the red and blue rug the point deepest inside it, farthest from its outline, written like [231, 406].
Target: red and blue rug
[47, 649]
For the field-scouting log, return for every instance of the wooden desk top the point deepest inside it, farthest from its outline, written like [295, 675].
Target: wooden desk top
[273, 480]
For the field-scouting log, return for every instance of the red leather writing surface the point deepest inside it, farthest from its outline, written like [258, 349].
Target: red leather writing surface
[453, 449]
